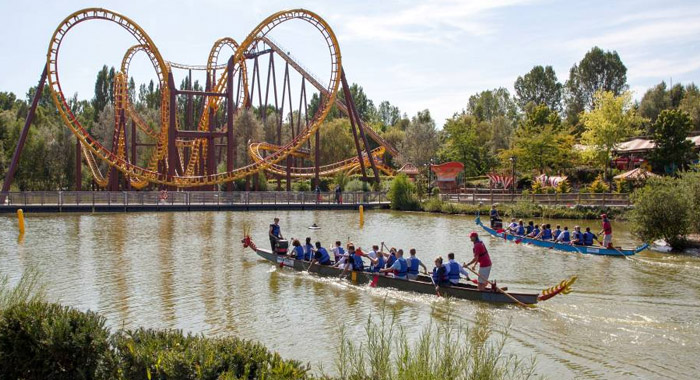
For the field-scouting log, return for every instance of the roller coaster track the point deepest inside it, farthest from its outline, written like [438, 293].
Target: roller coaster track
[117, 159]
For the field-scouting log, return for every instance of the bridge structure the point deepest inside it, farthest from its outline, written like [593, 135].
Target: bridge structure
[198, 150]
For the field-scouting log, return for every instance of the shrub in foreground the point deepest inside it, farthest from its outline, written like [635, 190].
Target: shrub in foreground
[49, 341]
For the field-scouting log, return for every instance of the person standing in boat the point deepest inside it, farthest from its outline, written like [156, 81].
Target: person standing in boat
[413, 264]
[496, 221]
[454, 270]
[275, 233]
[606, 231]
[308, 250]
[321, 256]
[399, 268]
[481, 257]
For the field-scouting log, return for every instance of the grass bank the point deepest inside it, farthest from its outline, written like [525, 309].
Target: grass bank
[524, 210]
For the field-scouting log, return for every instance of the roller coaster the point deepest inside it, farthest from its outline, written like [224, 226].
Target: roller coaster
[186, 153]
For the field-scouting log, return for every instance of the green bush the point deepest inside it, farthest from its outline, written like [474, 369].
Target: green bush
[623, 186]
[301, 186]
[356, 185]
[49, 341]
[435, 192]
[341, 179]
[432, 205]
[28, 289]
[563, 187]
[537, 188]
[662, 209]
[599, 186]
[169, 354]
[262, 182]
[402, 194]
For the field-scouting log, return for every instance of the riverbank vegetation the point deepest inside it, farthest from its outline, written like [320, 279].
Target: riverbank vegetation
[41, 340]
[668, 208]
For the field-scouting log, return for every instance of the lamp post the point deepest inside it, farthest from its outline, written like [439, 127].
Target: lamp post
[430, 169]
[512, 173]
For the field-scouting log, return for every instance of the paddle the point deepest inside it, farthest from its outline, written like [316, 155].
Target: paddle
[436, 287]
[499, 289]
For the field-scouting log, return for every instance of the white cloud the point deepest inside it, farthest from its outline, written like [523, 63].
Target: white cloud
[431, 21]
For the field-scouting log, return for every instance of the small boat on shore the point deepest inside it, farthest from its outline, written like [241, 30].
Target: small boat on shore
[565, 247]
[422, 285]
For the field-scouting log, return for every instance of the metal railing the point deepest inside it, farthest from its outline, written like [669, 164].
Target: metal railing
[486, 196]
[184, 198]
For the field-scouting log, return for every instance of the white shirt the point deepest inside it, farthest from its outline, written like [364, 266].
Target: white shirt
[372, 254]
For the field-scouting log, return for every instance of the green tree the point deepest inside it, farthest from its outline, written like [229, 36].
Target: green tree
[387, 114]
[489, 104]
[598, 71]
[421, 141]
[541, 142]
[670, 131]
[336, 143]
[466, 142]
[539, 86]
[662, 209]
[611, 121]
[104, 90]
[658, 98]
[690, 103]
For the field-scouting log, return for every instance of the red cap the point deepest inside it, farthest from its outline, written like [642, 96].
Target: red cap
[473, 234]
[603, 215]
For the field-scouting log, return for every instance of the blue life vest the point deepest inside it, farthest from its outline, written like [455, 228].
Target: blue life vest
[325, 258]
[494, 213]
[535, 232]
[307, 251]
[403, 267]
[380, 263]
[357, 263]
[438, 278]
[578, 237]
[300, 252]
[528, 229]
[521, 230]
[547, 234]
[275, 229]
[565, 237]
[413, 269]
[556, 233]
[391, 261]
[454, 270]
[588, 238]
[341, 252]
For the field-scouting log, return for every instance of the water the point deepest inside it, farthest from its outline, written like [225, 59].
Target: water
[625, 319]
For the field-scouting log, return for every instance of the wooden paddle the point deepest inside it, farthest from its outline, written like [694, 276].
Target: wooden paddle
[500, 290]
[436, 287]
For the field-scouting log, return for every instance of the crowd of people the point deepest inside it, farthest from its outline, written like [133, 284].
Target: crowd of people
[558, 234]
[391, 263]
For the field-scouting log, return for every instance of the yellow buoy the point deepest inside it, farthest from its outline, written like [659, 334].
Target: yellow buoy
[362, 215]
[20, 220]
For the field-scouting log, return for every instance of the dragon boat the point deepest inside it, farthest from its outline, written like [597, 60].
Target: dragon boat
[566, 247]
[423, 284]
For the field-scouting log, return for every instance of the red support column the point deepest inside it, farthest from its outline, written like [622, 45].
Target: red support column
[348, 100]
[10, 175]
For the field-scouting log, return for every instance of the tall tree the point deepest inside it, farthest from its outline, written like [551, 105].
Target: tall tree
[539, 86]
[670, 131]
[103, 91]
[541, 142]
[598, 71]
[611, 121]
[387, 114]
[690, 103]
[421, 141]
[336, 142]
[465, 141]
[489, 104]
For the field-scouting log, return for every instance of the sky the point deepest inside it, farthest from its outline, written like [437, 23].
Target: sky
[430, 54]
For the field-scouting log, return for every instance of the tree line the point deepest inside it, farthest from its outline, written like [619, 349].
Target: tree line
[545, 126]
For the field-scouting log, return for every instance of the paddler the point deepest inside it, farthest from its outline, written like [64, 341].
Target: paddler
[298, 250]
[453, 270]
[494, 215]
[513, 227]
[338, 252]
[308, 250]
[321, 256]
[439, 274]
[606, 231]
[481, 257]
[275, 233]
[378, 261]
[399, 268]
[413, 264]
